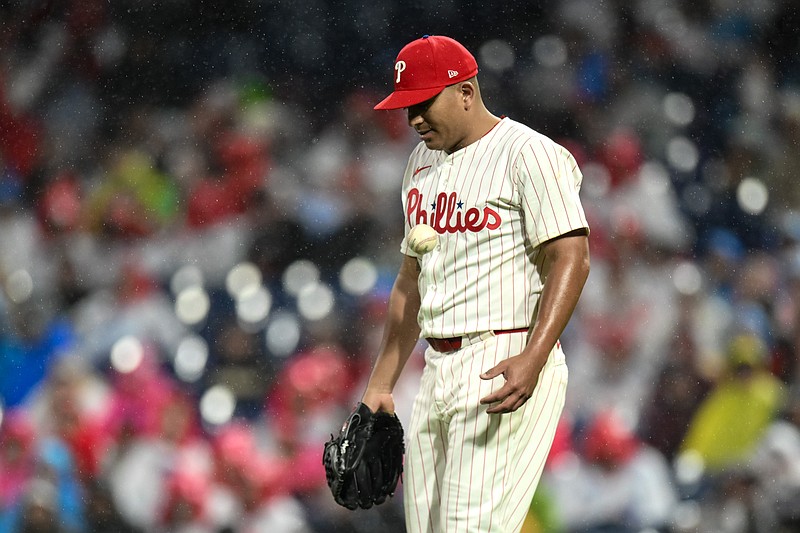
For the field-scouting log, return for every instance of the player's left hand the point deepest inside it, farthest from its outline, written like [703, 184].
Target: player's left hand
[521, 373]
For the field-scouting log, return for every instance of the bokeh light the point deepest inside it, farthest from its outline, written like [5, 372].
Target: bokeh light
[19, 286]
[668, 19]
[682, 154]
[185, 277]
[299, 275]
[127, 354]
[550, 51]
[242, 278]
[687, 278]
[191, 358]
[689, 468]
[315, 302]
[192, 305]
[752, 196]
[679, 109]
[497, 55]
[283, 334]
[358, 276]
[217, 405]
[253, 306]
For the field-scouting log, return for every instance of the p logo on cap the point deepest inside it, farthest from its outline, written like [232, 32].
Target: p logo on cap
[400, 66]
[426, 66]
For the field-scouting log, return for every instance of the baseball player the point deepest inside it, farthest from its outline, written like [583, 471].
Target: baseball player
[491, 299]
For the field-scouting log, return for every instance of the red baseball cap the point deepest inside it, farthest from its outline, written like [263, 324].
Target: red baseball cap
[426, 66]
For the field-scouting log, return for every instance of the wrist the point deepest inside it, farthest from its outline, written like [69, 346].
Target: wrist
[535, 353]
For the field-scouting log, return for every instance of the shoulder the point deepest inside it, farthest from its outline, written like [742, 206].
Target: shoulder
[529, 144]
[527, 136]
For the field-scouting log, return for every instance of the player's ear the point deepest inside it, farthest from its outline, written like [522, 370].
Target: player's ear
[468, 93]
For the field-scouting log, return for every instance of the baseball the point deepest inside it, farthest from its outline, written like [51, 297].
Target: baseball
[422, 238]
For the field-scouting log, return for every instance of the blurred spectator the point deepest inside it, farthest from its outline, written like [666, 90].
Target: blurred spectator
[776, 469]
[278, 239]
[680, 387]
[17, 457]
[240, 364]
[131, 306]
[102, 515]
[733, 418]
[37, 511]
[53, 498]
[38, 337]
[614, 482]
[70, 406]
[314, 387]
[134, 200]
[148, 475]
[249, 490]
[183, 509]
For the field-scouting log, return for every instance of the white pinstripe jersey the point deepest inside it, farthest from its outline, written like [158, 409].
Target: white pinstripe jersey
[492, 203]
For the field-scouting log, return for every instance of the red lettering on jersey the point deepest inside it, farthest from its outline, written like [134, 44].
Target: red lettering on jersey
[446, 217]
[414, 212]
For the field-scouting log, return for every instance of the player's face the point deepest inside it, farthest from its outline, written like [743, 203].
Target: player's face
[437, 121]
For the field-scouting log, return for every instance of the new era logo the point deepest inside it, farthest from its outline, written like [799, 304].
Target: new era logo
[452, 73]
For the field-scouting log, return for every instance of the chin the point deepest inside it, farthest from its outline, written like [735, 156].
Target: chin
[432, 144]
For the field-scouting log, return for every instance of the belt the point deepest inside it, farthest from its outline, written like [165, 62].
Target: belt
[451, 344]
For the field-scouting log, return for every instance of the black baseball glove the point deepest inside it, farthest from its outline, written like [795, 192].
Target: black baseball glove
[365, 461]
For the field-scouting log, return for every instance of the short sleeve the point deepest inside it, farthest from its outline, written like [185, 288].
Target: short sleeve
[549, 181]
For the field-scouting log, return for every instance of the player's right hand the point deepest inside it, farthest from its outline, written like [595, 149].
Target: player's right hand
[521, 373]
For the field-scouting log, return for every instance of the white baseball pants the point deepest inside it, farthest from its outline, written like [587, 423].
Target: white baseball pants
[468, 471]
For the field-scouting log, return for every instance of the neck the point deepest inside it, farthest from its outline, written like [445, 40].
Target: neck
[480, 126]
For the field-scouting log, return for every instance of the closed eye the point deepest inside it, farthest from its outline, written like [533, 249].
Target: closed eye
[421, 108]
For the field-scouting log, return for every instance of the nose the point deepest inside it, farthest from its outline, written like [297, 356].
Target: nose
[414, 117]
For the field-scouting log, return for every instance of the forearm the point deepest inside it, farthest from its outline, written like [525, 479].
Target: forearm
[401, 330]
[567, 265]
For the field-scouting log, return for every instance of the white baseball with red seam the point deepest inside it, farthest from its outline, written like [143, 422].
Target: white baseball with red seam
[422, 238]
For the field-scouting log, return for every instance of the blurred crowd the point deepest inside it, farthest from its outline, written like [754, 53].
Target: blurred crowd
[200, 224]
